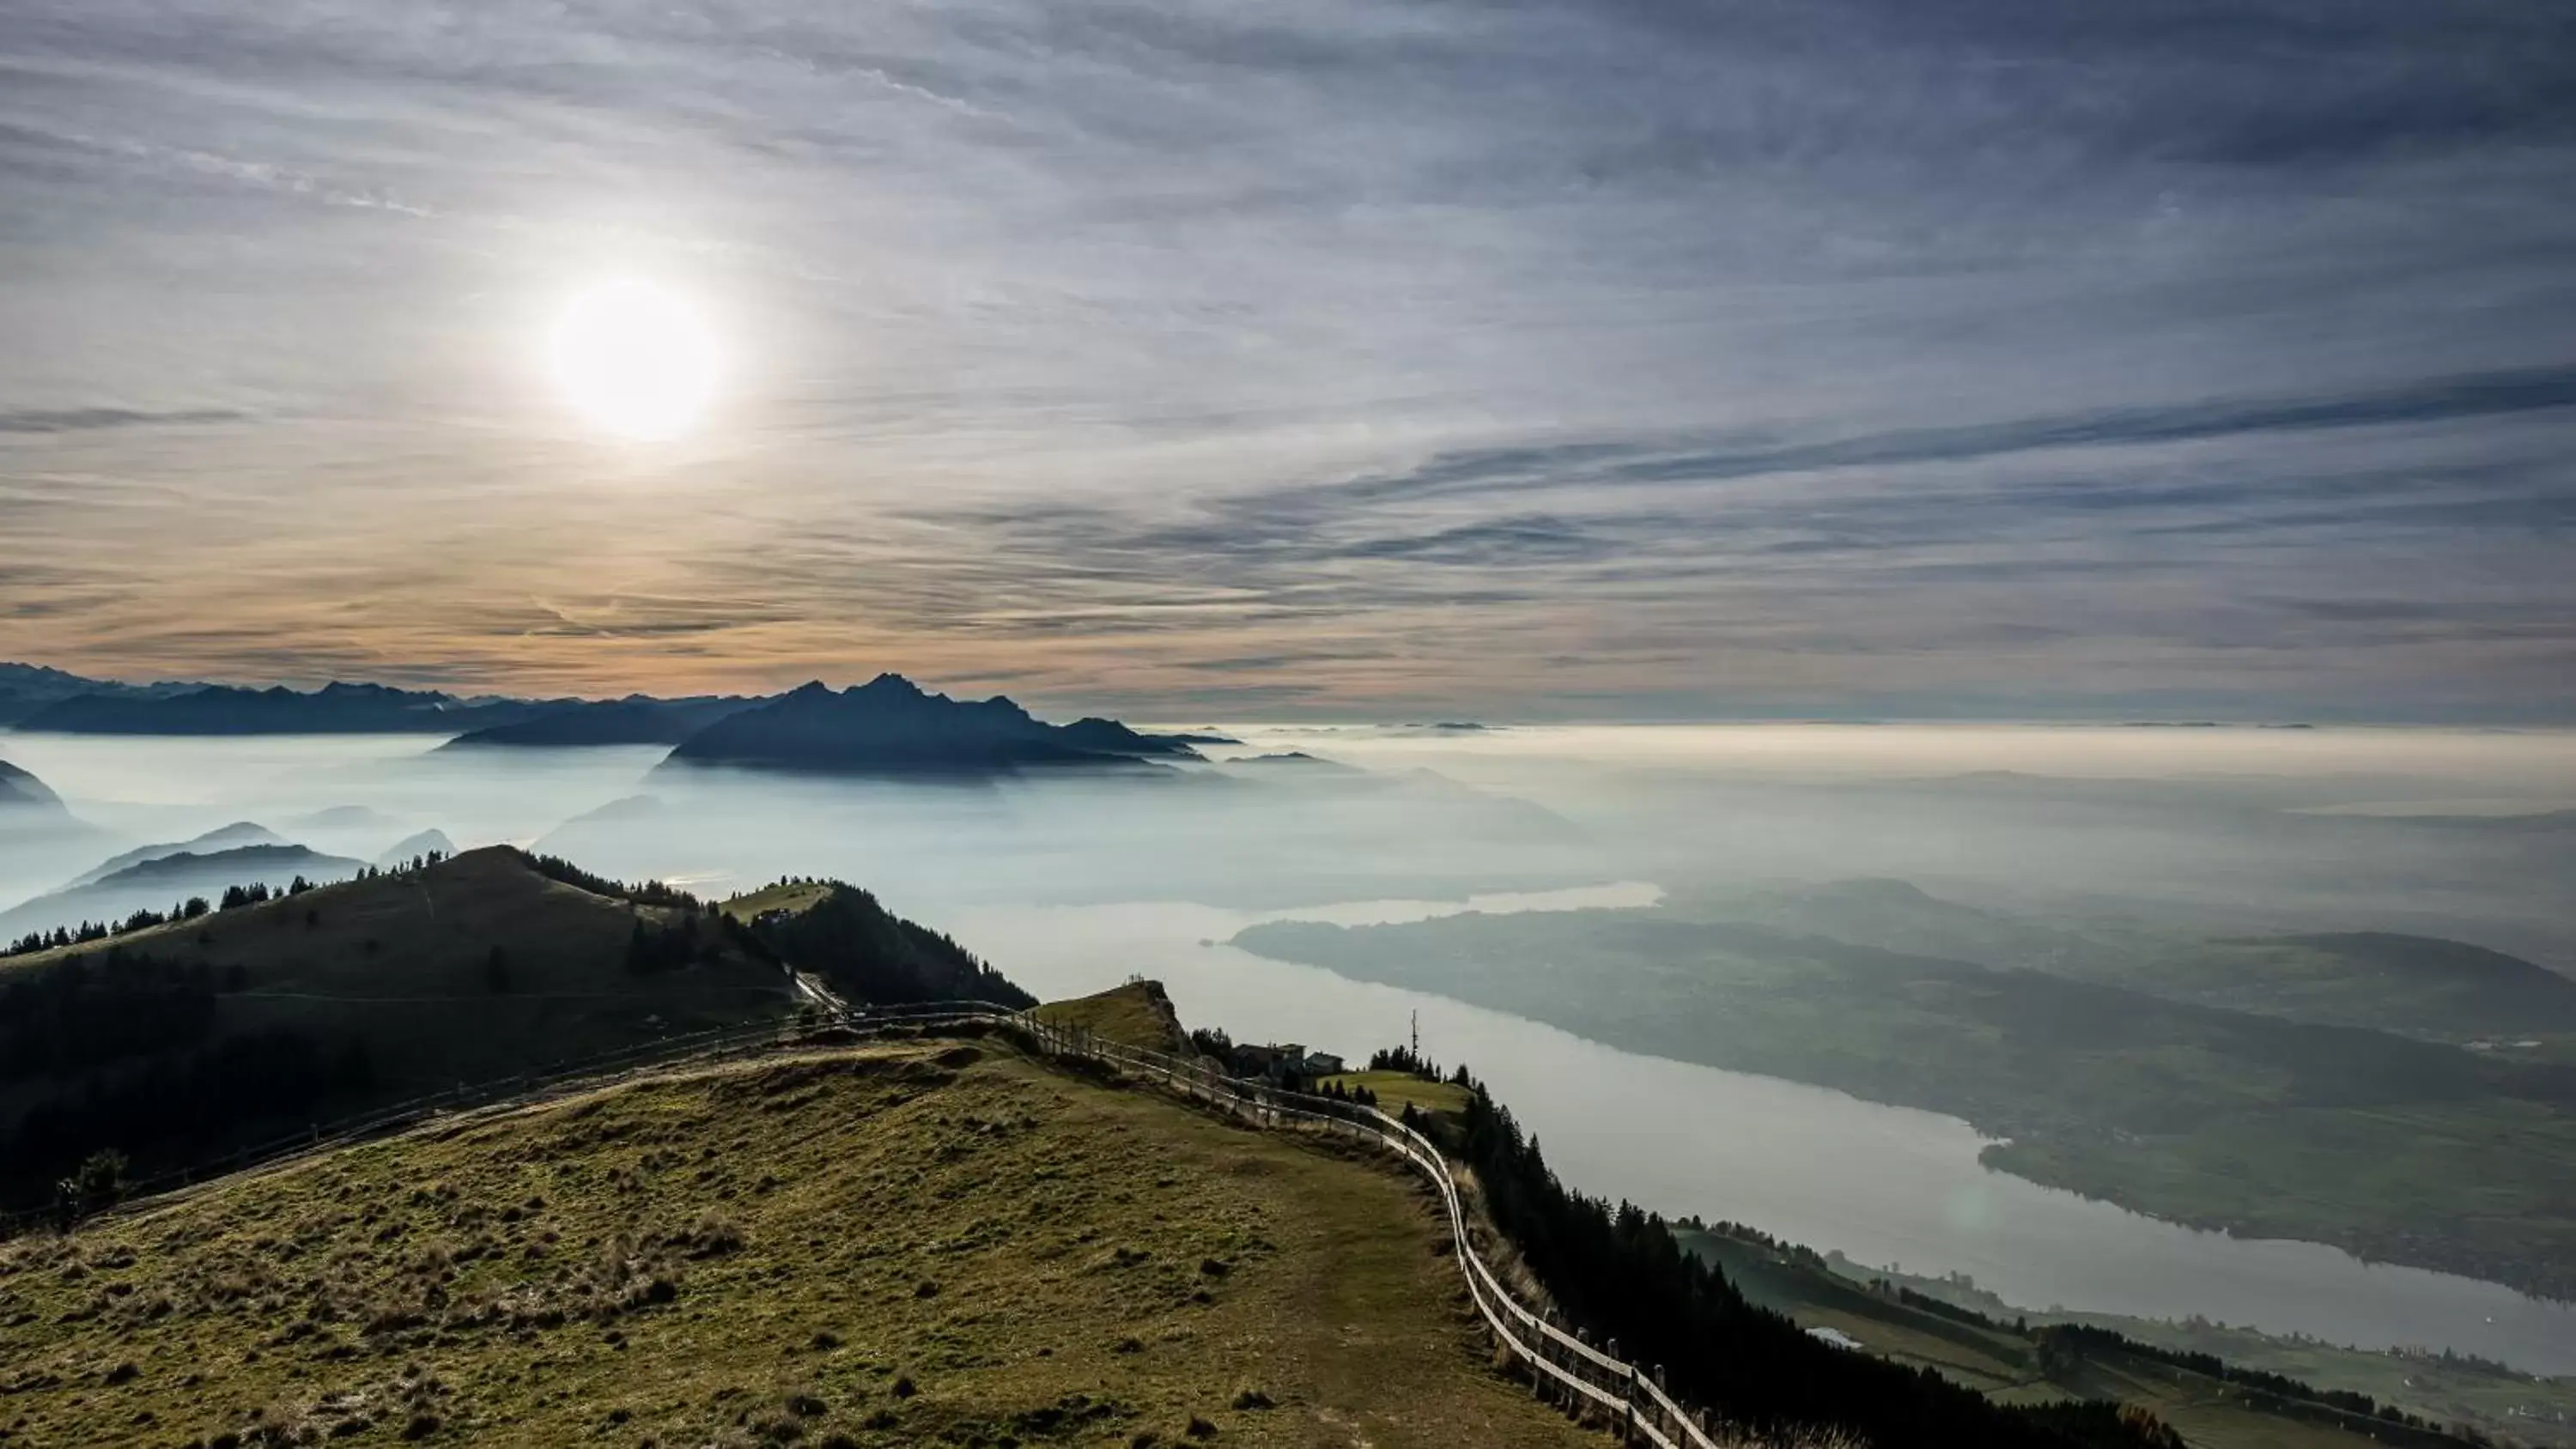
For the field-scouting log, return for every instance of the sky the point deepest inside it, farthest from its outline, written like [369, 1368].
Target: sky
[1588, 359]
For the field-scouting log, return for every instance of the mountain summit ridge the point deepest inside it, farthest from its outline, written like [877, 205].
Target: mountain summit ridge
[891, 726]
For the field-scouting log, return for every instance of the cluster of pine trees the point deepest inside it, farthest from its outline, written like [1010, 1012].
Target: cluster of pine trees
[233, 898]
[1413, 1064]
[868, 953]
[1358, 1096]
[650, 893]
[652, 949]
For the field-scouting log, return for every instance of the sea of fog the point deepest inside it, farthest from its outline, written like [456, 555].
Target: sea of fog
[1074, 888]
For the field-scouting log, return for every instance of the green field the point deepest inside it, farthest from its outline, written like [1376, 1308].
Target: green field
[940, 1243]
[2012, 1366]
[793, 897]
[1136, 1014]
[1401, 1089]
[2443, 1388]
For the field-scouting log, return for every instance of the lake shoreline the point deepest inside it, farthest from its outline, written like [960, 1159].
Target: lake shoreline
[1882, 1184]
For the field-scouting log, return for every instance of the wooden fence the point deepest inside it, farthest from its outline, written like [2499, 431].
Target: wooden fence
[1569, 1365]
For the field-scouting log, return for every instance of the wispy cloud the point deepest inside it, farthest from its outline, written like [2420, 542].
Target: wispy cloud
[85, 420]
[1353, 357]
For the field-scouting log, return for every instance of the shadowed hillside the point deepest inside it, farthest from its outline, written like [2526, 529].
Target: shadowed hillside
[178, 1042]
[864, 952]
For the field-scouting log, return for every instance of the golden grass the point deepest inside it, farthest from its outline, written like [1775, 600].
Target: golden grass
[1397, 1089]
[934, 1243]
[1137, 1014]
[795, 898]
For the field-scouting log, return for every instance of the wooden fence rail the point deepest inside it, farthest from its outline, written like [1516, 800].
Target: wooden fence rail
[1574, 1366]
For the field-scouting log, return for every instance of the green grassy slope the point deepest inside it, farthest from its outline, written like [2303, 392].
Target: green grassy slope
[2441, 1388]
[1396, 1090]
[791, 897]
[1136, 1014]
[936, 1244]
[2015, 1366]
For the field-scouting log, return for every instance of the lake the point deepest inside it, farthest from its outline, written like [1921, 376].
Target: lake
[1888, 1186]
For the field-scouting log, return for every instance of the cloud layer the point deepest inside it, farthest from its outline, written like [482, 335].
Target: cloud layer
[1590, 359]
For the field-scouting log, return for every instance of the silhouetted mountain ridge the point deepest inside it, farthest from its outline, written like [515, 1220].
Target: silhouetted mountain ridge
[893, 727]
[638, 719]
[424, 843]
[27, 688]
[163, 880]
[222, 709]
[224, 837]
[23, 793]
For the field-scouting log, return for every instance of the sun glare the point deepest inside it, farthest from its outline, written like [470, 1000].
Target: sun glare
[635, 360]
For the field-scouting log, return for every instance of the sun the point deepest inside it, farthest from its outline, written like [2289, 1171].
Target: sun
[635, 360]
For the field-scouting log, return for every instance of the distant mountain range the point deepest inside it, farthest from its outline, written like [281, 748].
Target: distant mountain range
[637, 719]
[892, 727]
[38, 832]
[161, 874]
[24, 794]
[886, 727]
[414, 847]
[27, 688]
[36, 826]
[160, 881]
[225, 837]
[334, 709]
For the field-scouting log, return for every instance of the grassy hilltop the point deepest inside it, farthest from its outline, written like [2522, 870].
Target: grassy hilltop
[1138, 1014]
[935, 1244]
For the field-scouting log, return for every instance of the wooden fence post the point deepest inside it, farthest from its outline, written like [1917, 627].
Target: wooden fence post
[1582, 1367]
[1627, 1395]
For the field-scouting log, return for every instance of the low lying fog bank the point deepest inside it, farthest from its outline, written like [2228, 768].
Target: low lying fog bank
[2440, 832]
